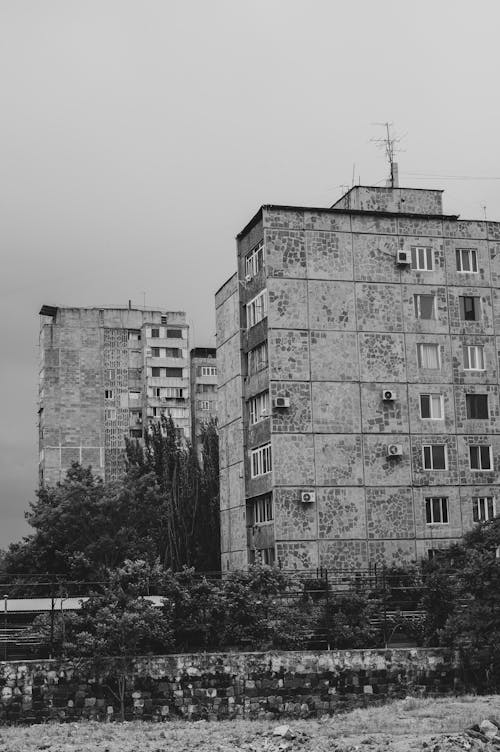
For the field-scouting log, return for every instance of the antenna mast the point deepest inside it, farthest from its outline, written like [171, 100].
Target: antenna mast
[389, 145]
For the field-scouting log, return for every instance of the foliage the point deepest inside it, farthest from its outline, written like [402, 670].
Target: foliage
[348, 621]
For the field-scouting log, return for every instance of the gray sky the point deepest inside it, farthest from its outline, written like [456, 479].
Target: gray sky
[139, 136]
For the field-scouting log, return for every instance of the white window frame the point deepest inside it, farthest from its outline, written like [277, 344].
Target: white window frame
[418, 306]
[208, 371]
[110, 413]
[263, 510]
[477, 350]
[255, 358]
[471, 254]
[434, 398]
[442, 512]
[481, 469]
[422, 258]
[258, 407]
[257, 309]
[109, 394]
[254, 260]
[205, 404]
[477, 307]
[420, 358]
[260, 461]
[483, 508]
[431, 466]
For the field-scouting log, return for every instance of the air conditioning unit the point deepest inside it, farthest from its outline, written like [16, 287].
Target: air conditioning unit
[394, 450]
[281, 402]
[388, 395]
[403, 258]
[308, 497]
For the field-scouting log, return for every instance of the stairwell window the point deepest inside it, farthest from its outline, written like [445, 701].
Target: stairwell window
[466, 260]
[473, 357]
[428, 355]
[260, 461]
[425, 306]
[483, 508]
[422, 258]
[434, 456]
[480, 457]
[257, 309]
[436, 510]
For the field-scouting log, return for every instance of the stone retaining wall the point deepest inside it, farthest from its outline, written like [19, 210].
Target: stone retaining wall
[222, 685]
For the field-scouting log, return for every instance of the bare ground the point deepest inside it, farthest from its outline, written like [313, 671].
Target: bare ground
[404, 726]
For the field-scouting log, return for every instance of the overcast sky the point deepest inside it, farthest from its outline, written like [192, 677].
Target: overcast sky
[139, 136]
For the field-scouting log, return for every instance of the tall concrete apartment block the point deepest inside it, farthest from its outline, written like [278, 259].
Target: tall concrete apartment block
[358, 382]
[203, 391]
[105, 374]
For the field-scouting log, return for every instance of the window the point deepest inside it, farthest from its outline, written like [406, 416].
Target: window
[474, 358]
[174, 372]
[258, 407]
[263, 556]
[206, 371]
[110, 413]
[157, 392]
[480, 457]
[477, 406]
[257, 358]
[262, 509]
[431, 406]
[155, 352]
[257, 309]
[466, 259]
[205, 405]
[155, 371]
[425, 306]
[173, 392]
[428, 355]
[470, 307]
[436, 510]
[134, 395]
[483, 508]
[205, 388]
[134, 335]
[163, 319]
[174, 333]
[155, 333]
[173, 352]
[254, 261]
[260, 461]
[434, 456]
[421, 258]
[109, 394]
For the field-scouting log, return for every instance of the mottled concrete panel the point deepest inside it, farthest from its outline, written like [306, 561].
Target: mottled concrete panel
[338, 460]
[343, 554]
[396, 553]
[450, 529]
[420, 227]
[496, 309]
[52, 457]
[298, 417]
[423, 477]
[297, 555]
[293, 459]
[281, 218]
[484, 325]
[237, 522]
[334, 356]
[331, 305]
[293, 520]
[438, 324]
[382, 357]
[228, 288]
[375, 225]
[378, 307]
[389, 512]
[69, 455]
[236, 487]
[470, 477]
[329, 255]
[494, 256]
[428, 375]
[289, 355]
[231, 404]
[467, 493]
[327, 221]
[375, 258]
[285, 253]
[467, 228]
[383, 416]
[453, 276]
[225, 531]
[287, 303]
[475, 426]
[381, 470]
[429, 425]
[224, 502]
[341, 512]
[228, 318]
[490, 347]
[336, 407]
[493, 230]
[229, 359]
[238, 560]
[434, 276]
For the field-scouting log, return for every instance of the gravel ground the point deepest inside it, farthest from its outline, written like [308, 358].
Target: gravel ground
[403, 726]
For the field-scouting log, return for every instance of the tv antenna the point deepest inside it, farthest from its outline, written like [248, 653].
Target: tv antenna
[390, 145]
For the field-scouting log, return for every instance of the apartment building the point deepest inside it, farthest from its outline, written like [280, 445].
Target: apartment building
[203, 369]
[105, 375]
[358, 382]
